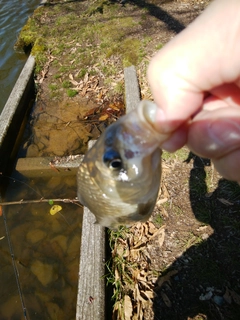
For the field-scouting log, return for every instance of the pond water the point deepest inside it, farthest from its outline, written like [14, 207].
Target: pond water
[13, 16]
[39, 251]
[39, 274]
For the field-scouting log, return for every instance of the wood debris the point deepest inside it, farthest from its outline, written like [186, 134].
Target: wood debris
[135, 278]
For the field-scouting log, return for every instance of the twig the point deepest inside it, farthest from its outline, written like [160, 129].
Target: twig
[74, 201]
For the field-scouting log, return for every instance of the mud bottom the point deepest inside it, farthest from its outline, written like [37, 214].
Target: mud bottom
[39, 270]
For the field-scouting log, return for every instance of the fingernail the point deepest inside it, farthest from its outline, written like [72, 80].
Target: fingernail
[150, 111]
[154, 115]
[224, 134]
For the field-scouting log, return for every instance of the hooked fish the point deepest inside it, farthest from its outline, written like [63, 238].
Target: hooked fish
[119, 177]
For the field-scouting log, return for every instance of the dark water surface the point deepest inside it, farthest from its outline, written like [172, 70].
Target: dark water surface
[13, 16]
[39, 251]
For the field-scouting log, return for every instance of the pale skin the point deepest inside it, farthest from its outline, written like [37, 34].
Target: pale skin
[195, 81]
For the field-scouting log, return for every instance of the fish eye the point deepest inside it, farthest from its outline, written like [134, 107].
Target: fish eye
[115, 164]
[112, 159]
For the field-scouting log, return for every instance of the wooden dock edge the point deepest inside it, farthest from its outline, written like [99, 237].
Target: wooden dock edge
[91, 304]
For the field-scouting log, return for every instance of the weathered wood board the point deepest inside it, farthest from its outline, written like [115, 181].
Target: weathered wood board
[91, 286]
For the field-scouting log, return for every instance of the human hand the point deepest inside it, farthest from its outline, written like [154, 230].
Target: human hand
[195, 81]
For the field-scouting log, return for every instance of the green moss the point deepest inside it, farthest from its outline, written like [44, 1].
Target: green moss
[53, 87]
[159, 46]
[39, 46]
[78, 40]
[180, 155]
[119, 88]
[158, 220]
[66, 84]
[97, 7]
[71, 93]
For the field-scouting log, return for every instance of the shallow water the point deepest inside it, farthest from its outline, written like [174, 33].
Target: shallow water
[39, 274]
[13, 16]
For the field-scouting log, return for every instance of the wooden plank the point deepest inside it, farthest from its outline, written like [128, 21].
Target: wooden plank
[132, 92]
[91, 285]
[91, 302]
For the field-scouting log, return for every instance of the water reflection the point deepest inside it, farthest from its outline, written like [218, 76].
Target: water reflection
[13, 16]
[45, 249]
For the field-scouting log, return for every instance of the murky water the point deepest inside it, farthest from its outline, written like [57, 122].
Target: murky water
[39, 274]
[13, 16]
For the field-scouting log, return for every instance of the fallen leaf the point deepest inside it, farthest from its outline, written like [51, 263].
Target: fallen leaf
[226, 202]
[85, 79]
[227, 296]
[74, 82]
[148, 294]
[161, 201]
[161, 235]
[55, 209]
[166, 300]
[103, 117]
[166, 277]
[128, 308]
[235, 297]
[112, 106]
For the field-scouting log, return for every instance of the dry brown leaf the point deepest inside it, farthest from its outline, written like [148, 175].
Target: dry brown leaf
[227, 296]
[134, 254]
[117, 277]
[126, 252]
[112, 106]
[161, 201]
[103, 117]
[165, 191]
[80, 85]
[139, 311]
[166, 300]
[161, 233]
[84, 91]
[226, 202]
[235, 297]
[161, 237]
[94, 86]
[120, 250]
[202, 228]
[75, 83]
[166, 277]
[85, 79]
[117, 311]
[145, 285]
[164, 212]
[151, 228]
[136, 293]
[128, 308]
[148, 294]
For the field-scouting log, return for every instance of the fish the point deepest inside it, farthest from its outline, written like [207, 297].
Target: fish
[119, 177]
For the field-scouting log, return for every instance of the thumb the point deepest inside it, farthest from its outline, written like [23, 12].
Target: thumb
[194, 62]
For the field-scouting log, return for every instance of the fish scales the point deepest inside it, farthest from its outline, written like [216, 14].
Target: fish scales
[119, 177]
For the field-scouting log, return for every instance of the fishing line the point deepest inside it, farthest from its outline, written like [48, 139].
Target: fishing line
[22, 182]
[15, 269]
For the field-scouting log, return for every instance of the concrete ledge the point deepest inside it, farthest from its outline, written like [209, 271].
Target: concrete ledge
[48, 167]
[91, 304]
[14, 111]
